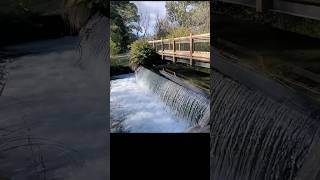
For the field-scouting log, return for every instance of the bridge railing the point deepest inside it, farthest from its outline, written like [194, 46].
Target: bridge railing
[301, 8]
[195, 48]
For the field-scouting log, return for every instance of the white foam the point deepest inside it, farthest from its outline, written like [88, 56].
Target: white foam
[138, 110]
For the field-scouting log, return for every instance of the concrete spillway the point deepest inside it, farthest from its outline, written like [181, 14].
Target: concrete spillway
[256, 137]
[149, 102]
[134, 108]
[184, 102]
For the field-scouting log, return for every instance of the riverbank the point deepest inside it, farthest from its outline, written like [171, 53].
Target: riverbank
[119, 64]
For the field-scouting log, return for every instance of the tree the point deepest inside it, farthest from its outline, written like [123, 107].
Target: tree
[124, 16]
[143, 24]
[178, 32]
[183, 17]
[161, 28]
[179, 12]
[201, 16]
[114, 49]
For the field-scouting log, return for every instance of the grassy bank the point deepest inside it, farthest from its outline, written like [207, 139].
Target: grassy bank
[119, 64]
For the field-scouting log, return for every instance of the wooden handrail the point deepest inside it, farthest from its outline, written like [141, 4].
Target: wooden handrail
[175, 51]
[198, 36]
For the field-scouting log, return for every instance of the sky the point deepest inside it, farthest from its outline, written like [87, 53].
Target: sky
[152, 8]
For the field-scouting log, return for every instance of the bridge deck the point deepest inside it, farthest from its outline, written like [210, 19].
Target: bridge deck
[289, 58]
[195, 48]
[302, 8]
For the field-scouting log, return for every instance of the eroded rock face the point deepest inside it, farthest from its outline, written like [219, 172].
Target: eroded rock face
[93, 48]
[255, 137]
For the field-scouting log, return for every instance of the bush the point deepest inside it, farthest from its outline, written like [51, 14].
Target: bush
[178, 32]
[141, 53]
[114, 49]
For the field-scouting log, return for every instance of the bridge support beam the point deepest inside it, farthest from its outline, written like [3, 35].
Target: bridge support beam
[174, 51]
[162, 48]
[191, 49]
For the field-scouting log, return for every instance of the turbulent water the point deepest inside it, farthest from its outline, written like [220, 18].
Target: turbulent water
[255, 137]
[184, 102]
[136, 109]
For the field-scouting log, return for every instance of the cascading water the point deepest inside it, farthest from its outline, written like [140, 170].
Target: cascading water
[136, 109]
[185, 103]
[148, 102]
[255, 137]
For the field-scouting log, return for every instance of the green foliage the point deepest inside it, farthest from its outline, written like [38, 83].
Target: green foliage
[183, 18]
[141, 53]
[178, 12]
[178, 32]
[119, 64]
[201, 17]
[161, 28]
[122, 15]
[114, 49]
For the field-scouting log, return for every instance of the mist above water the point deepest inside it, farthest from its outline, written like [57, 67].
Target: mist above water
[136, 109]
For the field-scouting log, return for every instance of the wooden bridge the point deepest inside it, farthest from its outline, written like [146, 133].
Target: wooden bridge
[302, 8]
[193, 49]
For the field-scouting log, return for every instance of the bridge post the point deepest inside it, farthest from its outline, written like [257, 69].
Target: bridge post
[174, 52]
[153, 44]
[263, 5]
[161, 48]
[191, 49]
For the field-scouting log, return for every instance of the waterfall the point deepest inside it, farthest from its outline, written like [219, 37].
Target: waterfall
[136, 109]
[185, 103]
[256, 137]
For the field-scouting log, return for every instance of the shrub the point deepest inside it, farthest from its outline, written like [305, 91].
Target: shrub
[114, 49]
[141, 53]
[178, 32]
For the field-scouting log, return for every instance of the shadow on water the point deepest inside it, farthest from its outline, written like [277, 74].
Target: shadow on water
[23, 155]
[53, 109]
